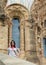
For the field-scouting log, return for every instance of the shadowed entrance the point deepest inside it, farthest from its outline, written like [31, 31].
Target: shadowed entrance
[16, 32]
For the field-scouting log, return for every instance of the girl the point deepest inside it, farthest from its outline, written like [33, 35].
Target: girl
[12, 50]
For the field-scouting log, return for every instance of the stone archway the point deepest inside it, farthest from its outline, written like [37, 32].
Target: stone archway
[18, 11]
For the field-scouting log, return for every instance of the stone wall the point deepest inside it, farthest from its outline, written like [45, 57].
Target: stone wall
[3, 38]
[38, 13]
[32, 30]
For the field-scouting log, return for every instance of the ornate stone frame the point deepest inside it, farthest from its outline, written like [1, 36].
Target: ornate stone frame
[18, 11]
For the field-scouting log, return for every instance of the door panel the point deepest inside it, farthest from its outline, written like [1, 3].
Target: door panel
[44, 45]
[15, 32]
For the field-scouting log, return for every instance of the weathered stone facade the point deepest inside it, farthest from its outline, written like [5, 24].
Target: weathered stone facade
[38, 13]
[32, 30]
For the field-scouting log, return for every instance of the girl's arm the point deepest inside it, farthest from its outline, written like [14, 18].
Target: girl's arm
[18, 50]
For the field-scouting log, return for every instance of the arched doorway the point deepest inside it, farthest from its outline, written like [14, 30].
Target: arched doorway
[14, 12]
[16, 32]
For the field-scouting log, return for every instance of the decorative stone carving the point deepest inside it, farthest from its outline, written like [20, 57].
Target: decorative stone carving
[2, 12]
[3, 3]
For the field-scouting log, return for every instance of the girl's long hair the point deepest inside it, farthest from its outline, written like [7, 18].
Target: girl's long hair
[14, 43]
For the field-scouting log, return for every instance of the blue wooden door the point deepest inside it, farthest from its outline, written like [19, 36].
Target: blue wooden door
[15, 32]
[44, 45]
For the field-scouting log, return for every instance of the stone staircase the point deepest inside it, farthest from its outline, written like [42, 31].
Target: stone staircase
[7, 60]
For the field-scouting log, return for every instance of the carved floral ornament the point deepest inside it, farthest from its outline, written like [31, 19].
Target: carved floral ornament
[15, 9]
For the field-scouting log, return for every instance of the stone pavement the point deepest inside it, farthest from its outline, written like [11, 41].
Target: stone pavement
[1, 63]
[7, 60]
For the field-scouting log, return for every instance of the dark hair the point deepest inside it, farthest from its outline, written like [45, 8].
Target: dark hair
[13, 42]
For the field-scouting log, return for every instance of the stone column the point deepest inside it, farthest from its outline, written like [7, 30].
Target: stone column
[9, 23]
[10, 30]
[27, 39]
[22, 40]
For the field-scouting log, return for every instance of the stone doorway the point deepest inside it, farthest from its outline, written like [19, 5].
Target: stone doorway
[21, 12]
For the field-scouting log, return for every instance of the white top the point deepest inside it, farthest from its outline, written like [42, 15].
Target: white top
[12, 52]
